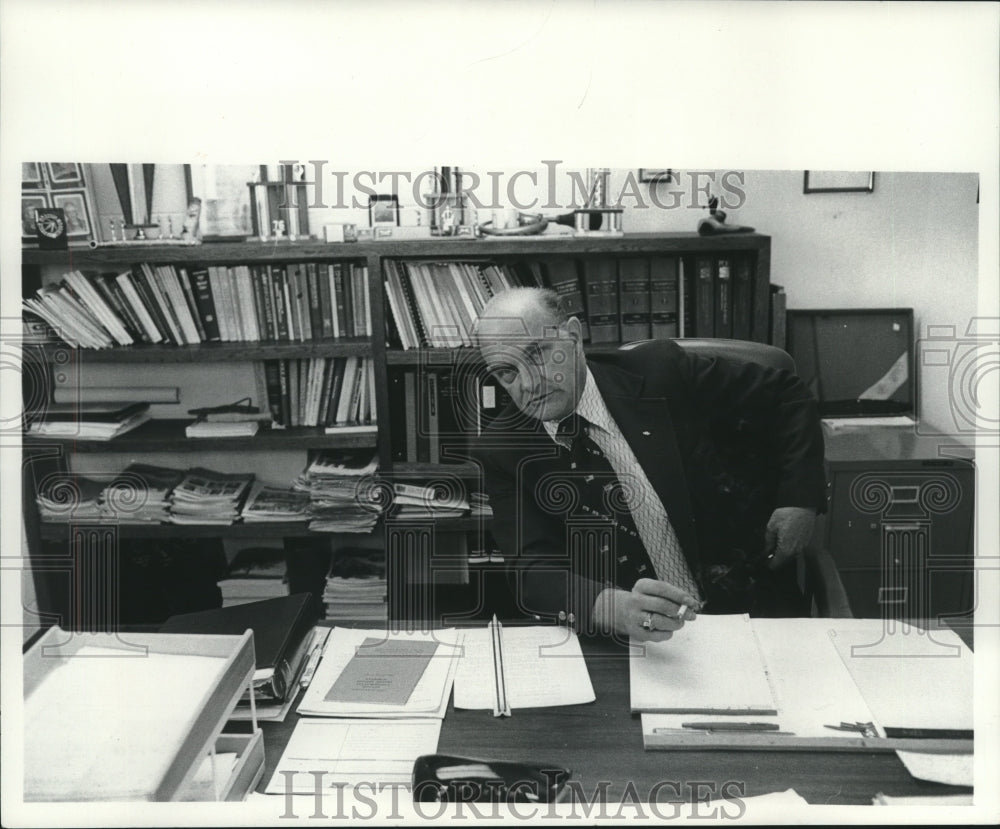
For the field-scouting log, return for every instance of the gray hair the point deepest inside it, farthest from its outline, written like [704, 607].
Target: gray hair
[545, 299]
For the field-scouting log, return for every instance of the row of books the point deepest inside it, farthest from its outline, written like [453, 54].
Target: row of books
[436, 304]
[337, 393]
[617, 300]
[638, 298]
[434, 413]
[243, 303]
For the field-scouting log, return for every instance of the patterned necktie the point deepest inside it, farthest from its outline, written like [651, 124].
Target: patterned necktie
[644, 533]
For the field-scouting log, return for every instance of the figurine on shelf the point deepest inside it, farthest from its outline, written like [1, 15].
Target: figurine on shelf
[191, 232]
[715, 223]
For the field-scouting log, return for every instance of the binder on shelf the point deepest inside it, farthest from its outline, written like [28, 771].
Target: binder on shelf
[741, 293]
[600, 285]
[563, 277]
[634, 299]
[664, 297]
[704, 298]
[760, 303]
[723, 326]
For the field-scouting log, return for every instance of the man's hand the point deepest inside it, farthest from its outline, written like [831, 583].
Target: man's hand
[787, 534]
[623, 612]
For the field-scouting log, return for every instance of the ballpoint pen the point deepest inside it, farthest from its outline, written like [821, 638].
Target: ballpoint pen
[731, 726]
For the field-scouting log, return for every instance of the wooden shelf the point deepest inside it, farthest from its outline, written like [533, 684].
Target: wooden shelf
[236, 253]
[286, 529]
[430, 470]
[168, 436]
[214, 352]
[448, 357]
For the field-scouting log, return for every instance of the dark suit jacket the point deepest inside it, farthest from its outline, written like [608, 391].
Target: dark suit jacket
[723, 443]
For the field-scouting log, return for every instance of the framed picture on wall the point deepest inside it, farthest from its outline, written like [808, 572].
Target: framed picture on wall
[656, 175]
[838, 181]
[225, 198]
[65, 174]
[77, 213]
[29, 203]
[383, 210]
[31, 175]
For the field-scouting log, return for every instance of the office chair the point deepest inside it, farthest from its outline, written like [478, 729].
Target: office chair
[818, 575]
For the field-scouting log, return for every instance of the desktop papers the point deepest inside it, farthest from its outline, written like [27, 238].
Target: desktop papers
[541, 666]
[375, 674]
[711, 665]
[352, 752]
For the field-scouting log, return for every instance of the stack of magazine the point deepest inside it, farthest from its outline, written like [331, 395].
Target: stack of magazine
[88, 421]
[342, 494]
[275, 504]
[207, 497]
[356, 586]
[140, 494]
[69, 498]
[420, 501]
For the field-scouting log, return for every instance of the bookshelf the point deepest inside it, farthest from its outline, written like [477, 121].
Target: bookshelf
[688, 251]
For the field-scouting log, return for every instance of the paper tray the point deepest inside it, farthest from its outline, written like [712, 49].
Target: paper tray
[246, 773]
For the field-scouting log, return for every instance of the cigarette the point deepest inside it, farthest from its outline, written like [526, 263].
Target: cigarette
[681, 611]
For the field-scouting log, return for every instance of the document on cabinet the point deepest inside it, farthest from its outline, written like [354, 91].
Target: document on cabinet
[533, 667]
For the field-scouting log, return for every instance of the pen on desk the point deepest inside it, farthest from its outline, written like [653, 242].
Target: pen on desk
[501, 707]
[767, 733]
[731, 726]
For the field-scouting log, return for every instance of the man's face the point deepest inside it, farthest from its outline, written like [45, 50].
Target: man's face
[540, 365]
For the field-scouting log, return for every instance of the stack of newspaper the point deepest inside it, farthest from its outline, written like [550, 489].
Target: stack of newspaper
[274, 504]
[428, 501]
[140, 494]
[255, 573]
[342, 492]
[207, 497]
[69, 498]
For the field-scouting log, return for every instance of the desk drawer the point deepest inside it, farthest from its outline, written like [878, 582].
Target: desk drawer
[913, 594]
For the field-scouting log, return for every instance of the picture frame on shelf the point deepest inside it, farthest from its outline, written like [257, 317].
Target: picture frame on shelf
[79, 224]
[65, 174]
[654, 175]
[31, 175]
[226, 214]
[383, 210]
[29, 203]
[838, 181]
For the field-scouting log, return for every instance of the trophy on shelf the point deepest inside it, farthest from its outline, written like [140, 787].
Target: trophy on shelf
[596, 218]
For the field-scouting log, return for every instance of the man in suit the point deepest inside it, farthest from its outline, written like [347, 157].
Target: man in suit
[633, 488]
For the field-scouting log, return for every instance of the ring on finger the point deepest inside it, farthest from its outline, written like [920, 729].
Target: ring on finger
[647, 623]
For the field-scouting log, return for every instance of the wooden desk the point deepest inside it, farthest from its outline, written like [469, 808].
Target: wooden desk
[603, 742]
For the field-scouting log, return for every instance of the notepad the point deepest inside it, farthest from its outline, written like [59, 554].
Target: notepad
[711, 665]
[539, 667]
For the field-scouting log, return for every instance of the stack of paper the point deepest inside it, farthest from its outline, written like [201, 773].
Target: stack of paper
[341, 492]
[356, 586]
[375, 674]
[269, 503]
[255, 574]
[140, 494]
[89, 421]
[207, 497]
[69, 498]
[537, 666]
[414, 500]
[206, 429]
